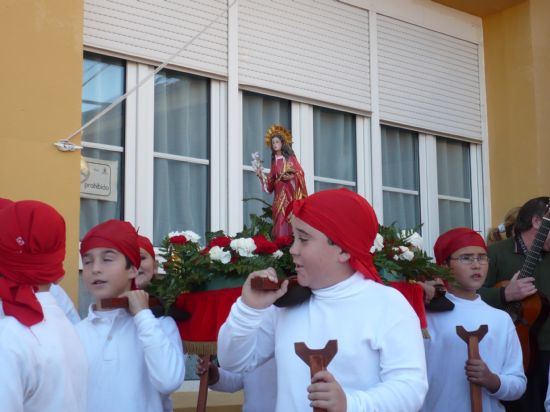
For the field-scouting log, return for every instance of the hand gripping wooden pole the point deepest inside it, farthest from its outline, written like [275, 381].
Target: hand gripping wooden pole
[317, 359]
[472, 339]
[203, 383]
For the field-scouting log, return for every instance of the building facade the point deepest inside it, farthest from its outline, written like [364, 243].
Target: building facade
[424, 108]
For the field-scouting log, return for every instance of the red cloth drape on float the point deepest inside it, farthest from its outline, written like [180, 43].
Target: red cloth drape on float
[210, 308]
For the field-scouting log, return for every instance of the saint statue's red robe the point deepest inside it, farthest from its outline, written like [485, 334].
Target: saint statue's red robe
[285, 191]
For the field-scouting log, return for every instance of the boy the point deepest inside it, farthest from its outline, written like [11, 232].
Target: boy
[136, 360]
[380, 362]
[148, 267]
[42, 362]
[499, 371]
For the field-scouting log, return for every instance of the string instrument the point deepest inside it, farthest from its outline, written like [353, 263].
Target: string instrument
[530, 313]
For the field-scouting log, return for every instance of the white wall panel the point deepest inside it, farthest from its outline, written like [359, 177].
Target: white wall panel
[428, 80]
[156, 29]
[317, 50]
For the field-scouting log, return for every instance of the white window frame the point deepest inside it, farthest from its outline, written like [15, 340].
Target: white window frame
[429, 196]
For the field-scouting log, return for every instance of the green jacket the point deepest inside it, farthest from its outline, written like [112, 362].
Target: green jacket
[505, 259]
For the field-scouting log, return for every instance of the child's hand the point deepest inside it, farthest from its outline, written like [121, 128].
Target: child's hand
[137, 301]
[326, 393]
[213, 373]
[262, 299]
[478, 372]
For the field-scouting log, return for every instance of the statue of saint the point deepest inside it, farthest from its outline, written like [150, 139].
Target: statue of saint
[286, 178]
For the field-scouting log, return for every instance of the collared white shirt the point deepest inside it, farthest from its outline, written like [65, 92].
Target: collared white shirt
[135, 361]
[42, 368]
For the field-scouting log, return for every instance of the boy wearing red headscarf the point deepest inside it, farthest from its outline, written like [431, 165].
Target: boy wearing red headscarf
[42, 362]
[500, 369]
[136, 360]
[380, 361]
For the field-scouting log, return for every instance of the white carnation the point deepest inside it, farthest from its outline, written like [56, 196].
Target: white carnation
[217, 253]
[378, 244]
[244, 246]
[415, 240]
[191, 236]
[405, 253]
[277, 254]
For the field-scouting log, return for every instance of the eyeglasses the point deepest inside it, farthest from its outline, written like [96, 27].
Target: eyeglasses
[470, 259]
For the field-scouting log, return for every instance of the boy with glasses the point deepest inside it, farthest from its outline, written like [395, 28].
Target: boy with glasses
[499, 371]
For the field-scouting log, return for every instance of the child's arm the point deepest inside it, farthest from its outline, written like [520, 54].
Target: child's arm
[161, 343]
[246, 339]
[511, 376]
[403, 381]
[219, 379]
[12, 383]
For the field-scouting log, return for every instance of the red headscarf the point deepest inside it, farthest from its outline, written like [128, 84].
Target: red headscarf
[454, 239]
[114, 234]
[145, 243]
[345, 218]
[5, 202]
[32, 250]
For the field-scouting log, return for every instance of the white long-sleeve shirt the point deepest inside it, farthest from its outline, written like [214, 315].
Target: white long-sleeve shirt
[65, 303]
[446, 355]
[42, 368]
[135, 361]
[380, 361]
[259, 385]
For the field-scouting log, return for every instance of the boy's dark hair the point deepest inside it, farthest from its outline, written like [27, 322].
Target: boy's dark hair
[533, 207]
[129, 264]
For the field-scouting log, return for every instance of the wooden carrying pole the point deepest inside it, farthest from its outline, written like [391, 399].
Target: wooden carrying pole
[317, 359]
[203, 385]
[472, 339]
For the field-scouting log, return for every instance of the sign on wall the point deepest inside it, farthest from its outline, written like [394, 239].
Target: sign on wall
[99, 179]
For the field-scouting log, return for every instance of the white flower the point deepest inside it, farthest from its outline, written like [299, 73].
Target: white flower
[217, 253]
[277, 254]
[176, 233]
[415, 240]
[405, 253]
[378, 244]
[191, 236]
[243, 246]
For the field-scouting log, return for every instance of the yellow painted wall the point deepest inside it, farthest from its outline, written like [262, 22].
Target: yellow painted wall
[40, 89]
[517, 67]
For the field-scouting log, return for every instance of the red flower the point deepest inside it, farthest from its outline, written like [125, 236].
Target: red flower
[178, 240]
[221, 241]
[205, 251]
[264, 246]
[283, 241]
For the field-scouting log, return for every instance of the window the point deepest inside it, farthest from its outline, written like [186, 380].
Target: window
[400, 177]
[454, 184]
[335, 149]
[103, 82]
[432, 181]
[181, 152]
[259, 113]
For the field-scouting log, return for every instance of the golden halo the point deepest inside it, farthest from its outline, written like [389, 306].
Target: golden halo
[277, 130]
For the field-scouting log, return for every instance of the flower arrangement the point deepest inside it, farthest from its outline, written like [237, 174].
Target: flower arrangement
[398, 256]
[189, 266]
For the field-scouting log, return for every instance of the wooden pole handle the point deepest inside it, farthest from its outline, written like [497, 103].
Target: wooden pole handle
[122, 303]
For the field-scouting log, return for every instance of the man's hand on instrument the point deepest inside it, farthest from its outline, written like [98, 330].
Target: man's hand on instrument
[478, 372]
[519, 289]
[326, 393]
[262, 299]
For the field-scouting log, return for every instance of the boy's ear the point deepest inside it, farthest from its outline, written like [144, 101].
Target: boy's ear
[132, 272]
[343, 257]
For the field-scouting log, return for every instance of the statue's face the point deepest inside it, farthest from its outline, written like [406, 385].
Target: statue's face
[276, 144]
